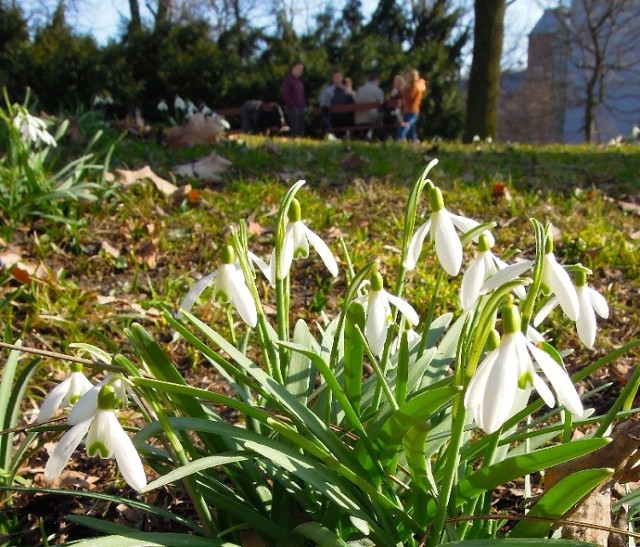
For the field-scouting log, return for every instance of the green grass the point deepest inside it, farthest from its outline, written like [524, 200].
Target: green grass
[355, 190]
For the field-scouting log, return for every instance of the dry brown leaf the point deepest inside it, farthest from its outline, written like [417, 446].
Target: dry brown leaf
[148, 253]
[207, 169]
[21, 275]
[254, 228]
[128, 177]
[110, 249]
[105, 299]
[200, 129]
[9, 258]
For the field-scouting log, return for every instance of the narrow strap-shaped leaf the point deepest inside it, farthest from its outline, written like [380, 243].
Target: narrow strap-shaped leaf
[521, 543]
[301, 373]
[319, 534]
[127, 537]
[558, 500]
[388, 439]
[487, 478]
[353, 354]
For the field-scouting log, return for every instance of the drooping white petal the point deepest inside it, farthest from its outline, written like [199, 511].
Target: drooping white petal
[586, 323]
[448, 246]
[286, 254]
[404, 307]
[415, 246]
[376, 324]
[534, 335]
[501, 265]
[465, 225]
[545, 310]
[560, 283]
[77, 388]
[472, 280]
[300, 242]
[505, 275]
[263, 266]
[99, 441]
[224, 281]
[599, 303]
[128, 459]
[53, 401]
[477, 386]
[562, 384]
[86, 406]
[63, 450]
[323, 250]
[501, 387]
[196, 290]
[543, 390]
[242, 299]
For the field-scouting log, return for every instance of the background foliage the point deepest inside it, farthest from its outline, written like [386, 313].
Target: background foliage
[225, 64]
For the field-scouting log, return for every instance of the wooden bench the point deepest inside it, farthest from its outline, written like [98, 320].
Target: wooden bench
[380, 129]
[233, 115]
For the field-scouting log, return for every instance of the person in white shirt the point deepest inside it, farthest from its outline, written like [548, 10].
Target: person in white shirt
[370, 92]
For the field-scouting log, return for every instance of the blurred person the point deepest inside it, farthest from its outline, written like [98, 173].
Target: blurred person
[370, 92]
[293, 98]
[411, 98]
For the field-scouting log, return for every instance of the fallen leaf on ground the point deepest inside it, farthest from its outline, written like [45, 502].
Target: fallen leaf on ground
[254, 228]
[200, 129]
[148, 253]
[110, 249]
[127, 178]
[206, 169]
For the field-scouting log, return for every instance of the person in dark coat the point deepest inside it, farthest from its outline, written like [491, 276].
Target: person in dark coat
[293, 98]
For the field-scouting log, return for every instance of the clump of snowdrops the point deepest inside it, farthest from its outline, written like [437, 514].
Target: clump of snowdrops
[410, 455]
[32, 183]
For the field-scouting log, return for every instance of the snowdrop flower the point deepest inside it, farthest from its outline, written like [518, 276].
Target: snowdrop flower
[179, 103]
[480, 269]
[557, 280]
[105, 438]
[297, 238]
[191, 108]
[162, 106]
[229, 286]
[206, 110]
[412, 338]
[495, 391]
[66, 393]
[33, 129]
[441, 228]
[635, 132]
[379, 313]
[590, 303]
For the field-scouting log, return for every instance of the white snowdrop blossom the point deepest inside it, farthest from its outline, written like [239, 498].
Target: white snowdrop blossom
[495, 391]
[480, 269]
[191, 108]
[163, 106]
[441, 228]
[65, 394]
[33, 129]
[297, 238]
[206, 110]
[104, 437]
[557, 280]
[179, 104]
[412, 338]
[590, 304]
[379, 315]
[230, 286]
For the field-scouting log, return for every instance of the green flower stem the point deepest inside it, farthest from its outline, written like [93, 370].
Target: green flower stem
[413, 444]
[382, 385]
[269, 354]
[208, 523]
[430, 313]
[534, 289]
[451, 465]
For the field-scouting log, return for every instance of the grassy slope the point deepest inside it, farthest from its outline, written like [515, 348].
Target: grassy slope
[356, 191]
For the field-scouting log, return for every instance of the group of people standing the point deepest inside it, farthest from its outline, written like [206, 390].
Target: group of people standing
[408, 89]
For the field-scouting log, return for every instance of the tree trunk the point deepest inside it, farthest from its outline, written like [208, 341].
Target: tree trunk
[136, 23]
[484, 79]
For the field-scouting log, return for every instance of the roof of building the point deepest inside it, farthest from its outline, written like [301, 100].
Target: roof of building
[549, 23]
